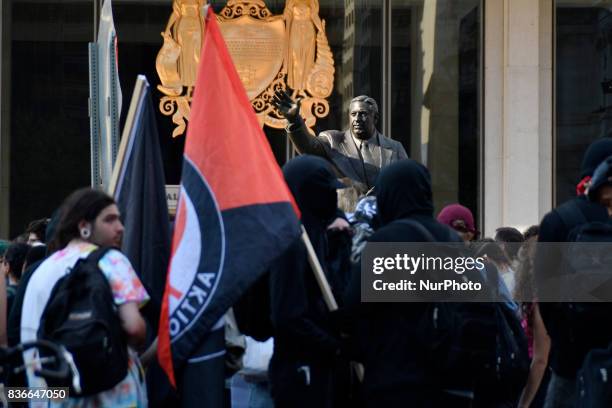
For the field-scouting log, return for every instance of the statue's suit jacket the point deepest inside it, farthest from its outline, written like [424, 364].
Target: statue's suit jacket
[340, 149]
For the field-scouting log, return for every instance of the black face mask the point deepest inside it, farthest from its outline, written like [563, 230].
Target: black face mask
[313, 185]
[324, 204]
[403, 188]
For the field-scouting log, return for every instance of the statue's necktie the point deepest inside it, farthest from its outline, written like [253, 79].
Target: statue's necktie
[366, 152]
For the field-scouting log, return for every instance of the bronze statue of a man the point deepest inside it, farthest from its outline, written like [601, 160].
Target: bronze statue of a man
[357, 154]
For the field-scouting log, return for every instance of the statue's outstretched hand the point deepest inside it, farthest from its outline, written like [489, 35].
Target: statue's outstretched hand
[286, 106]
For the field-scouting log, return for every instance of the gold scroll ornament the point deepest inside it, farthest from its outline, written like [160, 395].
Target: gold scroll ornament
[271, 53]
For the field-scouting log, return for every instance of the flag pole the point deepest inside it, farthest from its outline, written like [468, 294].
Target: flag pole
[328, 296]
[127, 135]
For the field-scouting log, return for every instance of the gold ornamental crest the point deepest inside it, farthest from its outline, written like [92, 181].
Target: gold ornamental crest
[287, 52]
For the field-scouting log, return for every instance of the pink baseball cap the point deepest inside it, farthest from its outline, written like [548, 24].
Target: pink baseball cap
[458, 217]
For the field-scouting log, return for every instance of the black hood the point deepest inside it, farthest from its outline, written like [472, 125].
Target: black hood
[403, 189]
[313, 186]
[597, 152]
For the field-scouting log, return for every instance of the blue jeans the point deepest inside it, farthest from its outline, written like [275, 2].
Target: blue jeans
[246, 394]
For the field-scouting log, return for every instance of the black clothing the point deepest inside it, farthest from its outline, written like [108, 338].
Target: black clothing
[313, 186]
[302, 323]
[13, 323]
[403, 189]
[296, 384]
[388, 334]
[388, 340]
[306, 341]
[419, 397]
[597, 152]
[11, 290]
[298, 312]
[565, 359]
[567, 351]
[252, 310]
[13, 326]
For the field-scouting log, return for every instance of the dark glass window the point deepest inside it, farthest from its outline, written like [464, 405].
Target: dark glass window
[435, 86]
[49, 97]
[138, 26]
[421, 60]
[583, 69]
[431, 89]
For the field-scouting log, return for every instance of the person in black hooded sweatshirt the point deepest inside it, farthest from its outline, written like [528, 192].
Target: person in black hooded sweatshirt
[306, 341]
[387, 335]
[567, 356]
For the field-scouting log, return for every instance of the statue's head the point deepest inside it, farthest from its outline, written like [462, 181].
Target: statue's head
[363, 116]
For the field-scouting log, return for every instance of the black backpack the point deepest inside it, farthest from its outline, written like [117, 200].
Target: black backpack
[480, 342]
[582, 264]
[474, 343]
[82, 316]
[512, 363]
[458, 337]
[593, 385]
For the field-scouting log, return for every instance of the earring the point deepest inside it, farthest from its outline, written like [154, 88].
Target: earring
[85, 233]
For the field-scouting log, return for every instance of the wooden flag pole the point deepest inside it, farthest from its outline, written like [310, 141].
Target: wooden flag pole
[141, 82]
[328, 296]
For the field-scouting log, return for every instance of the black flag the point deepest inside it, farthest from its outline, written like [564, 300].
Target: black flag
[140, 193]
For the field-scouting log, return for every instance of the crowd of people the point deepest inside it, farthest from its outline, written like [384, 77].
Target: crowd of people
[314, 348]
[296, 352]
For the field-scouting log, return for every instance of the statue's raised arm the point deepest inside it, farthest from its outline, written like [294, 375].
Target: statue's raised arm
[304, 141]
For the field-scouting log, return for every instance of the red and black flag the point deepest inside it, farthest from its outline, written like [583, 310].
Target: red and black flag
[235, 213]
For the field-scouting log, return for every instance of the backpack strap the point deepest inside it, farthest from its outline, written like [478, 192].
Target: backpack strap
[571, 214]
[419, 227]
[94, 258]
[98, 254]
